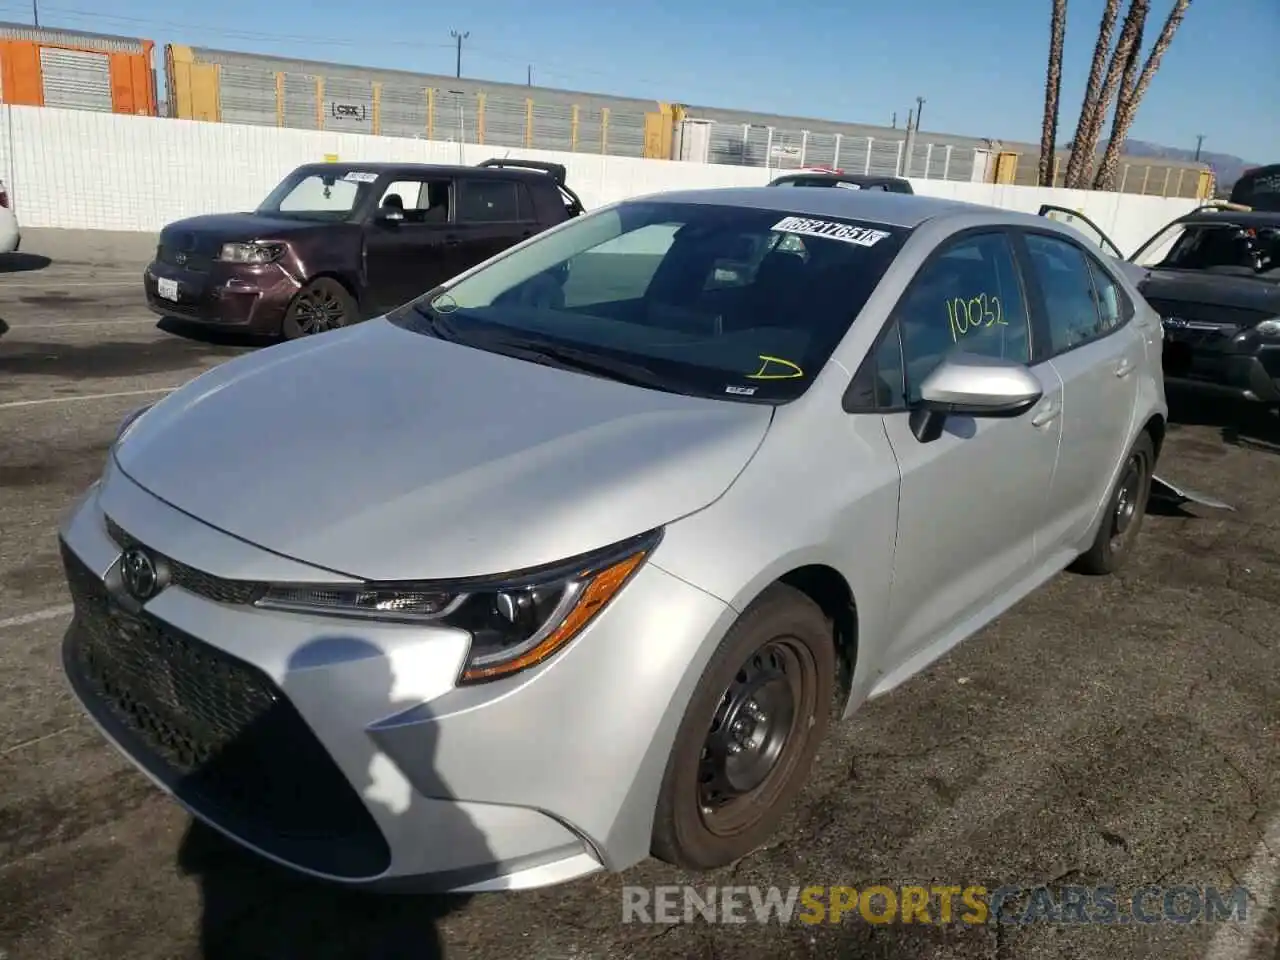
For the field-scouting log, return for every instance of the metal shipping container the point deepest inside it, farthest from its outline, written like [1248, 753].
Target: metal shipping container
[77, 71]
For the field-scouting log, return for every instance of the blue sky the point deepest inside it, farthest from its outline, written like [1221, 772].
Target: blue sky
[980, 74]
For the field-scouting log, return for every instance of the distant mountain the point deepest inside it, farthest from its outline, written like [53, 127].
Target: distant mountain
[1226, 167]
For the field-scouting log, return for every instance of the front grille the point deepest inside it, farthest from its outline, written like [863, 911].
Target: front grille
[218, 732]
[184, 259]
[189, 578]
[1231, 319]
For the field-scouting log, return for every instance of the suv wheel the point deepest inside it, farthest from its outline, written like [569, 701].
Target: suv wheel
[749, 735]
[321, 305]
[1125, 510]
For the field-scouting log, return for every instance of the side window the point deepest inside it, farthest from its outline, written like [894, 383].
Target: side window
[488, 201]
[423, 201]
[1069, 296]
[967, 299]
[1113, 306]
[527, 211]
[879, 383]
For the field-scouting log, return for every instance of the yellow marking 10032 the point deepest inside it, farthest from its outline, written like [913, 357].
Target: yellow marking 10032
[976, 313]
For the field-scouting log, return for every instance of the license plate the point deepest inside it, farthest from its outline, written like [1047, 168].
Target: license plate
[167, 289]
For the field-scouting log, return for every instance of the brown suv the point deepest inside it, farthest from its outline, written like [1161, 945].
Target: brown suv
[336, 243]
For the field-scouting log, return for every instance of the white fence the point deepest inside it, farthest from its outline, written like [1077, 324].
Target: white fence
[93, 171]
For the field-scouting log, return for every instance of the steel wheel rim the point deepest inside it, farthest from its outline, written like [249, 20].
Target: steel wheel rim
[1127, 497]
[754, 726]
[319, 311]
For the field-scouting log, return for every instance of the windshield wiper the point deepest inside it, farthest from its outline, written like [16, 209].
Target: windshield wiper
[582, 361]
[434, 322]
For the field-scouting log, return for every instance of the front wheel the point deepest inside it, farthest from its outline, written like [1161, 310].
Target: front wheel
[749, 735]
[323, 304]
[1125, 510]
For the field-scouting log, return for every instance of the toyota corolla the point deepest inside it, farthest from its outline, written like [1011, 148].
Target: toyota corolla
[573, 559]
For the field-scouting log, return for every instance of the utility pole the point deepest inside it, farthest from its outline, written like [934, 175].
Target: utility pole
[909, 147]
[1199, 141]
[530, 74]
[35, 12]
[919, 110]
[459, 37]
[895, 120]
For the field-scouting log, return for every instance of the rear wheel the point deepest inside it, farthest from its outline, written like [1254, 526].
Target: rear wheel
[323, 304]
[1125, 510]
[749, 735]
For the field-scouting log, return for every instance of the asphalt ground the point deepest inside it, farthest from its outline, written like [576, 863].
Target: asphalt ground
[1121, 731]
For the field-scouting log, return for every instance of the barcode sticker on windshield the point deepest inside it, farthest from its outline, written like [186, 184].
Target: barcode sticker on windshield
[862, 236]
[361, 176]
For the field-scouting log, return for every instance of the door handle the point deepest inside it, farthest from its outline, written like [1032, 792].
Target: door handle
[1125, 368]
[1046, 415]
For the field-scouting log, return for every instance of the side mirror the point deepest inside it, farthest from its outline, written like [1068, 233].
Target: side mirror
[966, 384]
[390, 214]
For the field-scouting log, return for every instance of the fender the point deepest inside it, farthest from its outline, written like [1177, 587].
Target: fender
[1164, 490]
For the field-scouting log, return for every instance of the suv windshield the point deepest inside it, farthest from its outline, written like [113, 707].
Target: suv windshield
[1231, 249]
[725, 301]
[308, 195]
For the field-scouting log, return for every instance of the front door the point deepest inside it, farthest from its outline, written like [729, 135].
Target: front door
[971, 502]
[1076, 219]
[1098, 353]
[407, 257]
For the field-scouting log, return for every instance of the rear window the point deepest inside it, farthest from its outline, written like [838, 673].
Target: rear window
[719, 300]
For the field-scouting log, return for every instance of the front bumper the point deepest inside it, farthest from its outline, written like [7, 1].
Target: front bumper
[343, 749]
[249, 299]
[1247, 370]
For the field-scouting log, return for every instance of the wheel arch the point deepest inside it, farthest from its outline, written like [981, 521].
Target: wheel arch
[1155, 427]
[830, 590]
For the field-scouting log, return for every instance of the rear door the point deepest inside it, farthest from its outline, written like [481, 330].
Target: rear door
[1089, 337]
[494, 213]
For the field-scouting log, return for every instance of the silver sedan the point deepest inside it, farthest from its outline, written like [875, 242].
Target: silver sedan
[574, 559]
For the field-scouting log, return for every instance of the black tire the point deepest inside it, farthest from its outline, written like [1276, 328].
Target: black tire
[1125, 509]
[323, 304]
[780, 653]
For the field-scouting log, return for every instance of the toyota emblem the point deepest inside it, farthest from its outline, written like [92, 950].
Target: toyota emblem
[180, 258]
[139, 573]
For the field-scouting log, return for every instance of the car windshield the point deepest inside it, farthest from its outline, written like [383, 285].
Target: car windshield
[308, 195]
[726, 301]
[1232, 249]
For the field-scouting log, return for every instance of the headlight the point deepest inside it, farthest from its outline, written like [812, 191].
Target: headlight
[127, 423]
[516, 621]
[251, 252]
[1269, 328]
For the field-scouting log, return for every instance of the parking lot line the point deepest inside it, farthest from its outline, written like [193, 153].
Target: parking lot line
[51, 613]
[85, 396]
[81, 323]
[1243, 941]
[54, 283]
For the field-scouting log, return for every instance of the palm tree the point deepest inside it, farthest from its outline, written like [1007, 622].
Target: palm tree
[1097, 71]
[1131, 97]
[1052, 88]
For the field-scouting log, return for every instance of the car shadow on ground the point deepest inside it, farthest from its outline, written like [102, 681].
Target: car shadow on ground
[1241, 424]
[254, 909]
[203, 333]
[23, 262]
[107, 359]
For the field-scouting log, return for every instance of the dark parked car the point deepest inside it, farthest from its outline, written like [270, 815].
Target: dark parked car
[849, 181]
[336, 243]
[1213, 275]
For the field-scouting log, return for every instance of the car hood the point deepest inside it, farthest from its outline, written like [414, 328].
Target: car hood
[384, 454]
[213, 230]
[1240, 293]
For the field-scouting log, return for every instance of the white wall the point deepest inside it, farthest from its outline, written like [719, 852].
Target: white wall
[91, 171]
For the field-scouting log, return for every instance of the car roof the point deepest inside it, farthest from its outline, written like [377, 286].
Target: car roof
[417, 169]
[838, 177]
[1251, 218]
[892, 209]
